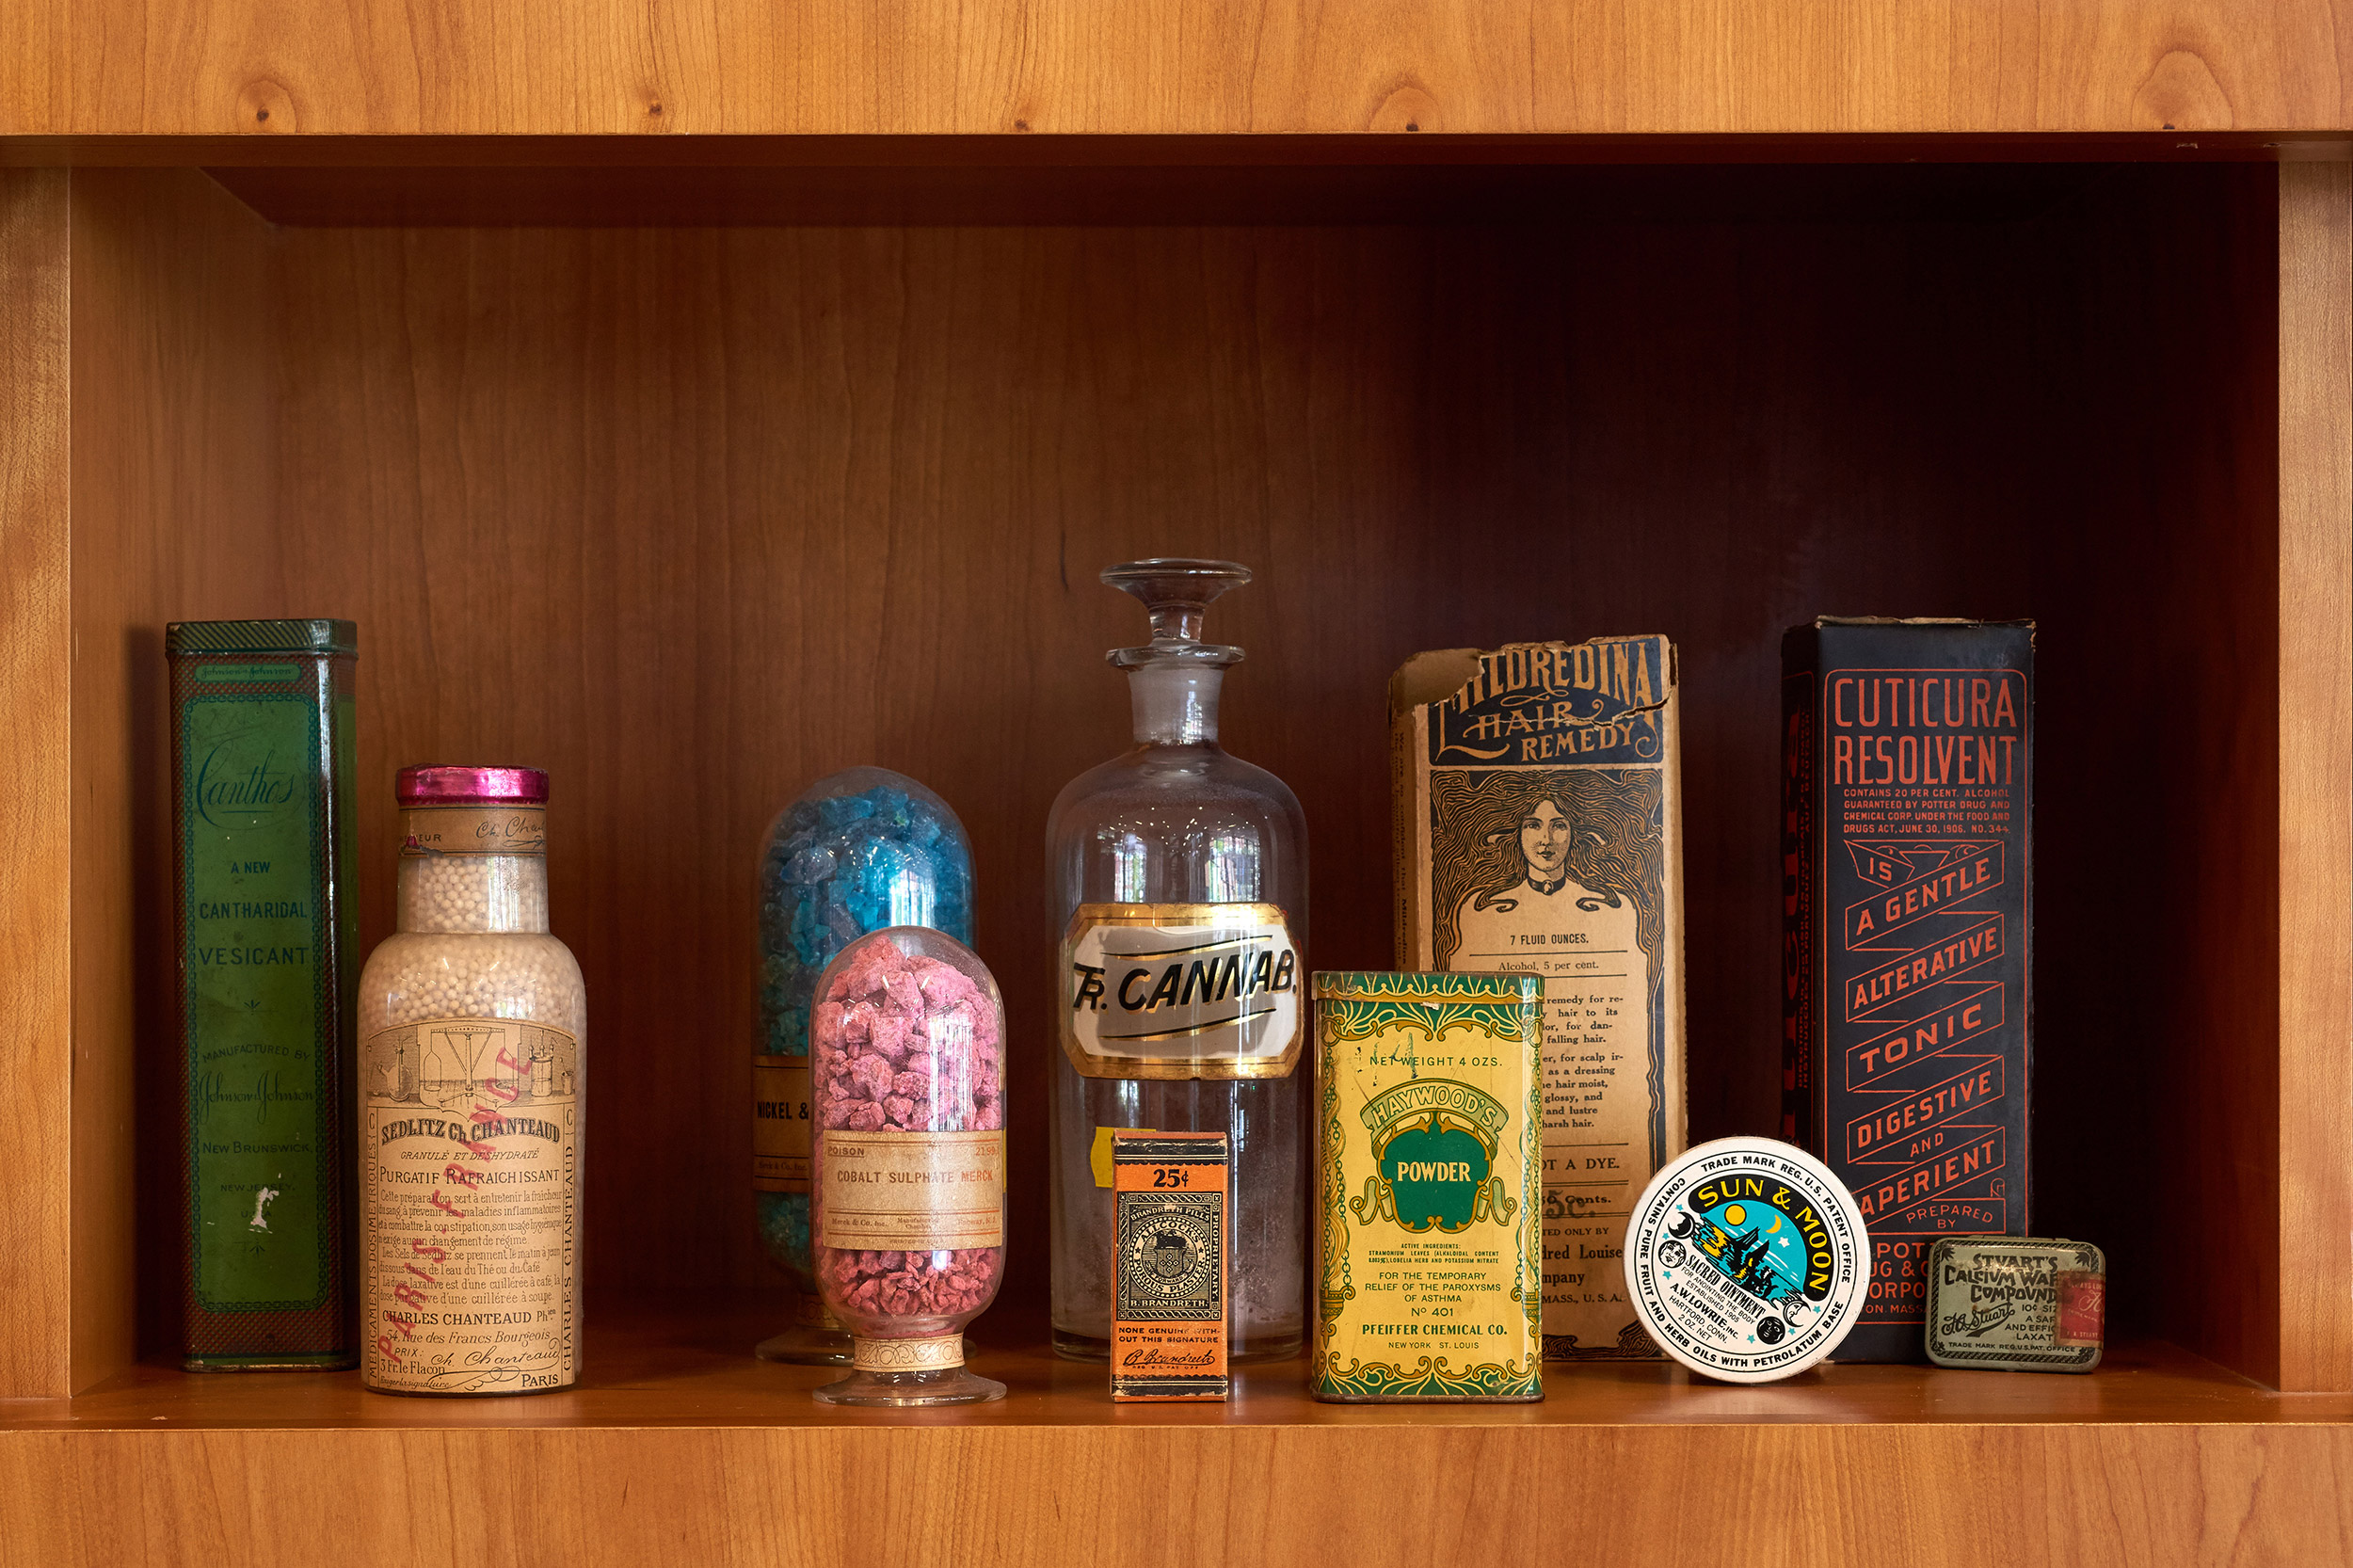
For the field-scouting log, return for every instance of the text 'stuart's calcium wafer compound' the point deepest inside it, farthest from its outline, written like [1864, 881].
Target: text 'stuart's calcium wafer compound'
[2022, 1304]
[1746, 1259]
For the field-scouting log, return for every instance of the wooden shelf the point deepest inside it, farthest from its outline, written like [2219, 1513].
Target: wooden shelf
[680, 1450]
[688, 1365]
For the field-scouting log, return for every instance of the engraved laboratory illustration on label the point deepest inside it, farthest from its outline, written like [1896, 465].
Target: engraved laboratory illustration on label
[1182, 990]
[470, 1152]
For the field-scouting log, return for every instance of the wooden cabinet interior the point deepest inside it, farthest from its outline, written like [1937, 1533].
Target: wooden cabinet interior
[691, 514]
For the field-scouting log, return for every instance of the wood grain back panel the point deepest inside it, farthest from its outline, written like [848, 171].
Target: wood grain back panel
[35, 643]
[2315, 852]
[692, 516]
[175, 518]
[708, 67]
[2158, 934]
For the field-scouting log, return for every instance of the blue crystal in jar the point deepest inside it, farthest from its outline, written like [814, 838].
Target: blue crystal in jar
[859, 850]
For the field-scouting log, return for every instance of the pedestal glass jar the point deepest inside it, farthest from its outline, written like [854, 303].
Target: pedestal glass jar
[1180, 878]
[859, 850]
[472, 1020]
[906, 1055]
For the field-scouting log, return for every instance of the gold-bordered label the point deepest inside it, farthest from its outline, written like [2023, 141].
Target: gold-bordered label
[1182, 990]
[436, 830]
[934, 1353]
[780, 1102]
[912, 1191]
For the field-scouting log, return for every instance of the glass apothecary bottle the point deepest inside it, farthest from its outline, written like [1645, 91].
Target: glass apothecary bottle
[1181, 879]
[471, 1020]
[859, 850]
[906, 1059]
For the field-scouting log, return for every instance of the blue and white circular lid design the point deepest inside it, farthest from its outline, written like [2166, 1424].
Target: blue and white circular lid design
[1747, 1259]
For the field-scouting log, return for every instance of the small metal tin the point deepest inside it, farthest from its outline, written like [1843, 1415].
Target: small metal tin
[1746, 1259]
[2016, 1303]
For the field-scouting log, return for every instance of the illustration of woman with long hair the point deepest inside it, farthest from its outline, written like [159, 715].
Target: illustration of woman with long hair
[1587, 945]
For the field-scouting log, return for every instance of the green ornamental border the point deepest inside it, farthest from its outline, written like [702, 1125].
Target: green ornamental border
[1357, 1006]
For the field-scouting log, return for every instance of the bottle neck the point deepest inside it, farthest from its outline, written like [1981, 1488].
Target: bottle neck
[1176, 704]
[490, 893]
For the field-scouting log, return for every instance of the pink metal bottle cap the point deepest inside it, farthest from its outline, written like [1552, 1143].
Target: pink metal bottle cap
[440, 784]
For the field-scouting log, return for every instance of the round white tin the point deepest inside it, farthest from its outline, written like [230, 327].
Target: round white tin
[1747, 1259]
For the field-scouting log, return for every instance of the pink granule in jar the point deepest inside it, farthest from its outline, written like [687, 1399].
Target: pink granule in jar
[904, 1043]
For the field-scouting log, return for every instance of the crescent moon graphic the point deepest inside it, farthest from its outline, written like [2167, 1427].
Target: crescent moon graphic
[1774, 1227]
[1681, 1227]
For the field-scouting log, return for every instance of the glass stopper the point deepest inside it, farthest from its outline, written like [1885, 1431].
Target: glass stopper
[1175, 592]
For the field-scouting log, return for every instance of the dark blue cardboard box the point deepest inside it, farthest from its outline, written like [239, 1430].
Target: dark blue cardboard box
[1907, 954]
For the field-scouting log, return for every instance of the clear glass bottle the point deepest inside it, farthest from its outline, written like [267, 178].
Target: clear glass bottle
[1181, 879]
[471, 1020]
[858, 851]
[907, 1179]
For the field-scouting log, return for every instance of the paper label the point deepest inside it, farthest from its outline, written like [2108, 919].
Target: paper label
[469, 1191]
[1180, 990]
[1539, 833]
[1747, 1263]
[261, 1159]
[780, 1100]
[1169, 1261]
[1100, 1153]
[2083, 1309]
[912, 1191]
[473, 830]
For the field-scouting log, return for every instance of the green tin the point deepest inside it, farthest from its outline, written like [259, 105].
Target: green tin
[1430, 1188]
[265, 928]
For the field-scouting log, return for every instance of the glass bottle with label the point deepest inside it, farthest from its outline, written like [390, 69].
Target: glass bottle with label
[471, 1020]
[861, 849]
[1181, 876]
[907, 1169]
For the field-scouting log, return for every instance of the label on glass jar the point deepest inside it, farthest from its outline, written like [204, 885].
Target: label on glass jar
[1180, 990]
[473, 830]
[912, 1191]
[780, 1124]
[469, 1192]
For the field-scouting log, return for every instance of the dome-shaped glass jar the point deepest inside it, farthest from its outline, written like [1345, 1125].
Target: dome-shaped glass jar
[906, 1057]
[859, 850]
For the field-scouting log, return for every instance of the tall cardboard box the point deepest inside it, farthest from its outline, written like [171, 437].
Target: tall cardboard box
[1908, 907]
[1540, 831]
